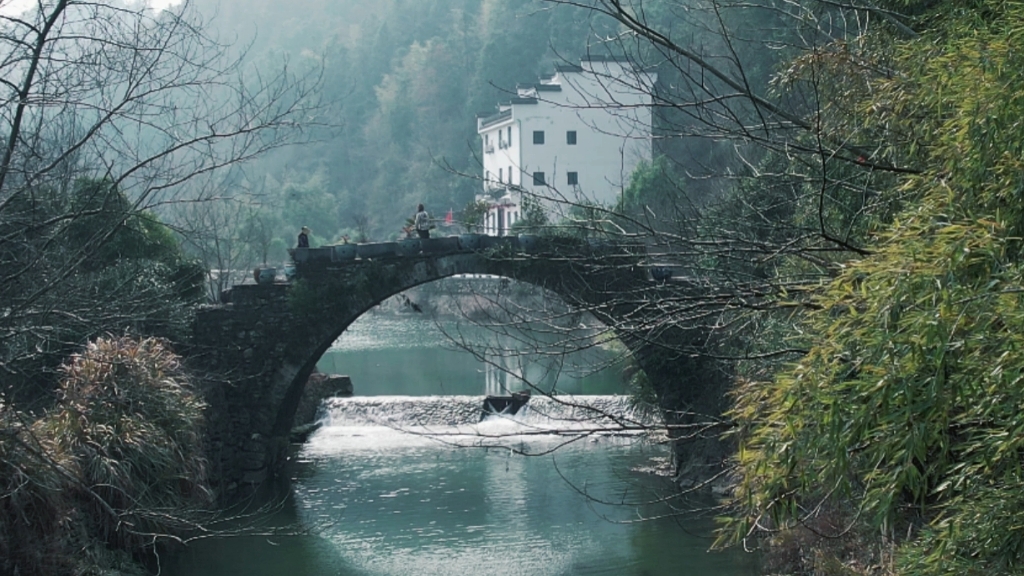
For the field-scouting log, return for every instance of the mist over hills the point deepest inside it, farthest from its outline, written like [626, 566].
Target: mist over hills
[406, 79]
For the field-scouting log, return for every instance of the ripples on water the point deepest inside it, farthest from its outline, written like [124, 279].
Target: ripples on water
[400, 486]
[436, 492]
[387, 331]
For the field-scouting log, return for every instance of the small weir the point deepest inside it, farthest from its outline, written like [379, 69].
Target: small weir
[555, 412]
[375, 421]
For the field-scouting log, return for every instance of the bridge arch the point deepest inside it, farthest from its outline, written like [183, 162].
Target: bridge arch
[259, 349]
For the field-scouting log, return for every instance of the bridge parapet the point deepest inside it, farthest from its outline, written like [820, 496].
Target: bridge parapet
[341, 254]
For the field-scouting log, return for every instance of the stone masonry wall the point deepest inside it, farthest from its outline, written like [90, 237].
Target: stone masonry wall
[240, 346]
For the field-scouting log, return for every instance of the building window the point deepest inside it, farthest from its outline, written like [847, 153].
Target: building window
[538, 178]
[501, 176]
[573, 178]
[510, 138]
[510, 175]
[538, 136]
[570, 137]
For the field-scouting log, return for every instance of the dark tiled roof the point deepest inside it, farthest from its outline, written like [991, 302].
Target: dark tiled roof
[589, 58]
[502, 116]
[540, 87]
[603, 58]
[495, 118]
[568, 68]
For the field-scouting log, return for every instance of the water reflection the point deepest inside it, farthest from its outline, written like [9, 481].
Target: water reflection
[414, 355]
[502, 375]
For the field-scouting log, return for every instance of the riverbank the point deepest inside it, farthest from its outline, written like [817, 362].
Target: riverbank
[112, 471]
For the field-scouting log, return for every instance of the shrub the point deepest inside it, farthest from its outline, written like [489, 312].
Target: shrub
[129, 423]
[33, 510]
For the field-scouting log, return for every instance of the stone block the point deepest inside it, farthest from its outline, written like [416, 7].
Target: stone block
[469, 241]
[344, 252]
[252, 461]
[255, 476]
[410, 246]
[378, 250]
[440, 245]
[254, 446]
[318, 388]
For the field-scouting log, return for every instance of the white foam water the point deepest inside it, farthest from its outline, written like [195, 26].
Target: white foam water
[383, 422]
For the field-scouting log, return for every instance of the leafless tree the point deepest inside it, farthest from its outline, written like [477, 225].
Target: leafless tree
[139, 103]
[215, 231]
[768, 179]
[109, 113]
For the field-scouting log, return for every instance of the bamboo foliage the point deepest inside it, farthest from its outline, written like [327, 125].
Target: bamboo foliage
[907, 408]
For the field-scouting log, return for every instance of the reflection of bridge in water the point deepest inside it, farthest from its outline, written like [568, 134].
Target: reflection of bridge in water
[502, 375]
[261, 343]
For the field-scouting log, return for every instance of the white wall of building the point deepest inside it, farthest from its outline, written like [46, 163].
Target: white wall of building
[604, 102]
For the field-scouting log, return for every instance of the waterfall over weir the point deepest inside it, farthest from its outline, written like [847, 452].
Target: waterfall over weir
[375, 422]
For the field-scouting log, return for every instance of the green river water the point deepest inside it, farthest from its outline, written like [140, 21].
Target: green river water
[404, 480]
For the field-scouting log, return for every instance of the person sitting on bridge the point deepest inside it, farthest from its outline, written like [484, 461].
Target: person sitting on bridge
[422, 222]
[304, 237]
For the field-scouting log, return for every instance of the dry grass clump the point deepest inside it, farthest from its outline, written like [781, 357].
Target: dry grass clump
[118, 460]
[830, 543]
[33, 508]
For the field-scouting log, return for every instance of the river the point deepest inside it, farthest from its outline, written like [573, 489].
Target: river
[404, 479]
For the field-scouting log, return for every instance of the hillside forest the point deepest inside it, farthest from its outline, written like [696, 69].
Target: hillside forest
[842, 180]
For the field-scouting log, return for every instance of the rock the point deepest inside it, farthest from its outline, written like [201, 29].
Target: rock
[505, 404]
[319, 387]
[337, 386]
[302, 433]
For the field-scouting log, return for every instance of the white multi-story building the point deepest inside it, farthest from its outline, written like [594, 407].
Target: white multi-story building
[575, 136]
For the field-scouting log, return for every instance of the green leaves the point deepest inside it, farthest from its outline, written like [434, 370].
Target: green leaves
[907, 408]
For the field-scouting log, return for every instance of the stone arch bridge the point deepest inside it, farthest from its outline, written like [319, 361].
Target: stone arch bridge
[258, 347]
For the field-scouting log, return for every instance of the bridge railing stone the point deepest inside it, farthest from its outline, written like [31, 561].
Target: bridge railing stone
[470, 241]
[322, 254]
[376, 250]
[409, 246]
[443, 245]
[555, 247]
[344, 252]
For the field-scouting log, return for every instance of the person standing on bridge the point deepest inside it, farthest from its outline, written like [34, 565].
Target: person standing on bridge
[304, 237]
[422, 222]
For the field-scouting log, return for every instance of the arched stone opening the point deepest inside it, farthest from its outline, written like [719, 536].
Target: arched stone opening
[327, 336]
[488, 335]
